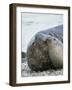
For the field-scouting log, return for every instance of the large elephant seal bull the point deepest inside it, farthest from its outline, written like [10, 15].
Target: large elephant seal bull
[45, 50]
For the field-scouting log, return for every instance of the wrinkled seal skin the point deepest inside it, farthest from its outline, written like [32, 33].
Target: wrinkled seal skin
[45, 50]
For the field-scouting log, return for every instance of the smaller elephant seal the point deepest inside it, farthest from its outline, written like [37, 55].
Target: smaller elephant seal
[55, 51]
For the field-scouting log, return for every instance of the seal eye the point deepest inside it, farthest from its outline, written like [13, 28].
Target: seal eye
[48, 40]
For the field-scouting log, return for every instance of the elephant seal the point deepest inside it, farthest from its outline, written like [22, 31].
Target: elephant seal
[55, 51]
[45, 50]
[37, 56]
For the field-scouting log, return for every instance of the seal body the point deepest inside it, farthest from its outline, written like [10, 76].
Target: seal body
[45, 50]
